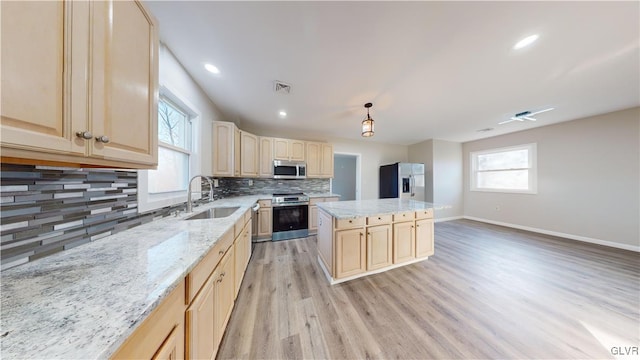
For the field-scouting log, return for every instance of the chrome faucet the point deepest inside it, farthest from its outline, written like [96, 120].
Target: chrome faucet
[189, 192]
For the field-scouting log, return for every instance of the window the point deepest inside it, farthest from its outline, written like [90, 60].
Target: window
[511, 170]
[174, 149]
[178, 154]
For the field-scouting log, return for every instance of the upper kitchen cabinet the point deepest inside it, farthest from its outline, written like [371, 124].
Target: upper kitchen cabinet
[319, 160]
[249, 148]
[79, 83]
[287, 149]
[266, 156]
[226, 157]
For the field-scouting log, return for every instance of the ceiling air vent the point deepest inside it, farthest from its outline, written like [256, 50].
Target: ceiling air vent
[281, 88]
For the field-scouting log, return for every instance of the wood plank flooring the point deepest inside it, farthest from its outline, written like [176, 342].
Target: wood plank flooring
[488, 292]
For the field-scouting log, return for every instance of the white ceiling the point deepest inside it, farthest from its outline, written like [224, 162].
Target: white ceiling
[438, 70]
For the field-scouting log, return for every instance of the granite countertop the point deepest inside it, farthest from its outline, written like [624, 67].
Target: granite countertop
[84, 302]
[318, 195]
[359, 208]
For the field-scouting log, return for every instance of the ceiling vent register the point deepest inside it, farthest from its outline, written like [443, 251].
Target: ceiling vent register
[281, 88]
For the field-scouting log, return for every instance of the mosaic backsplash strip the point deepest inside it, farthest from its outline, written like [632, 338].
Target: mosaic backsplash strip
[44, 210]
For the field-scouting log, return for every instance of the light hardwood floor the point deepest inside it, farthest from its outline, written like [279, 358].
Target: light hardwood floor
[488, 292]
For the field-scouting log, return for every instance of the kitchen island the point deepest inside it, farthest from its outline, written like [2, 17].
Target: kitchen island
[363, 237]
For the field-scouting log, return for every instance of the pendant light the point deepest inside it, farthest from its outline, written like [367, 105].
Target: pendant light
[367, 124]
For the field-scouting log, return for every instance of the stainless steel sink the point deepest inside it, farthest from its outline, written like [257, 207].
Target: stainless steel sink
[214, 213]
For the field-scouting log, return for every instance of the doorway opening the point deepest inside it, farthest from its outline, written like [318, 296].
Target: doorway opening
[346, 176]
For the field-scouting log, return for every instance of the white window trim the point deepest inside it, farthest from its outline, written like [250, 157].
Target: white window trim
[148, 202]
[533, 169]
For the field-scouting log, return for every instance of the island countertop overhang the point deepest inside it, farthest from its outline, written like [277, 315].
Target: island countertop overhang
[362, 208]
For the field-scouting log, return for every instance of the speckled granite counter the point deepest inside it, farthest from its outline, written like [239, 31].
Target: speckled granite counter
[84, 302]
[323, 195]
[359, 208]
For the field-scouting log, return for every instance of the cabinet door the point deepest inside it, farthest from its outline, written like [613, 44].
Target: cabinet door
[224, 293]
[199, 317]
[264, 221]
[243, 252]
[281, 149]
[249, 154]
[404, 246]
[424, 238]
[43, 69]
[223, 136]
[236, 152]
[313, 218]
[379, 247]
[169, 349]
[266, 157]
[124, 118]
[350, 252]
[313, 159]
[296, 150]
[326, 161]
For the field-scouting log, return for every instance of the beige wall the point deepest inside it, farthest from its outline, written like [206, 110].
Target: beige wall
[588, 180]
[443, 174]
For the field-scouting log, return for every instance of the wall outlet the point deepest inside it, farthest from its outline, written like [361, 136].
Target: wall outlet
[215, 183]
[497, 207]
[250, 182]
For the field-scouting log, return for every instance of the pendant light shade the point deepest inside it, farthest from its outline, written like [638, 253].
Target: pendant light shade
[368, 123]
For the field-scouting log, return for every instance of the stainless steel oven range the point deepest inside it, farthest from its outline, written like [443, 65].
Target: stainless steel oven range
[290, 216]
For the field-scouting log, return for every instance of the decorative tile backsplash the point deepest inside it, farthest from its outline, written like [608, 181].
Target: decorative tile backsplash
[44, 210]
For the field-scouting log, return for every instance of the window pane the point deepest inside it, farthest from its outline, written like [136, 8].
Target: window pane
[172, 173]
[514, 159]
[511, 180]
[172, 125]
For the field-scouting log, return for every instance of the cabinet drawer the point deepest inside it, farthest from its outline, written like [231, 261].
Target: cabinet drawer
[197, 277]
[349, 223]
[314, 201]
[379, 220]
[264, 203]
[409, 215]
[424, 214]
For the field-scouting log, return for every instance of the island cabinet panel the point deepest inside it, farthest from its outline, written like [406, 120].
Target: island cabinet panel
[404, 245]
[161, 333]
[379, 247]
[325, 241]
[200, 323]
[350, 252]
[424, 238]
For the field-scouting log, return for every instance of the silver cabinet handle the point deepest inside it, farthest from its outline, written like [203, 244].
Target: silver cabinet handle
[102, 139]
[84, 135]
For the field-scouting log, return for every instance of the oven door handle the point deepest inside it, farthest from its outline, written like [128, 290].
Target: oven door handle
[290, 204]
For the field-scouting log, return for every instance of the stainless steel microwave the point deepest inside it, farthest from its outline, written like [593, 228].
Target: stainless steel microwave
[283, 169]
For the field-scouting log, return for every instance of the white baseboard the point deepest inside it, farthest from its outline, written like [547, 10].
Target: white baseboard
[559, 234]
[448, 218]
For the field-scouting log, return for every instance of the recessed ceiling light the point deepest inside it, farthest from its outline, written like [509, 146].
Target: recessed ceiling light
[211, 68]
[283, 114]
[526, 41]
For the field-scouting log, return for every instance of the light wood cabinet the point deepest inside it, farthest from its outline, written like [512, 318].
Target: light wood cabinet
[288, 149]
[379, 247]
[200, 323]
[319, 160]
[404, 245]
[266, 156]
[225, 294]
[69, 58]
[237, 157]
[161, 333]
[313, 219]
[224, 135]
[424, 238]
[350, 247]
[249, 162]
[242, 253]
[265, 218]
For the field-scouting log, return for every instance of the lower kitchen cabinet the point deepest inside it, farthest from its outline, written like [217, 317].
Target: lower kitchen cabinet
[350, 252]
[424, 238]
[404, 243]
[313, 212]
[199, 323]
[242, 253]
[161, 334]
[379, 247]
[265, 219]
[225, 294]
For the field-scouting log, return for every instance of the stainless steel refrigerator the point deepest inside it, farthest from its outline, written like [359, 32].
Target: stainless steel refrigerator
[402, 180]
